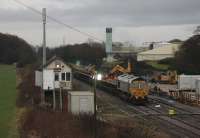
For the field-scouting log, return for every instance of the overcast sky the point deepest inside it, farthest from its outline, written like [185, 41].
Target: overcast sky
[136, 21]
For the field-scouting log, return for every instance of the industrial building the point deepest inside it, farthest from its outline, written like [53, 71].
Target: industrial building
[158, 53]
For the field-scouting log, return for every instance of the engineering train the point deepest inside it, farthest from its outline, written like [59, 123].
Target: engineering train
[128, 87]
[133, 87]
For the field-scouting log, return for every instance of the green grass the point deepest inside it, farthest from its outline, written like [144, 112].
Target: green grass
[158, 66]
[7, 99]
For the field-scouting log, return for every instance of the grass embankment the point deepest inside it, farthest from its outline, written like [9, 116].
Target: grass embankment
[157, 65]
[8, 96]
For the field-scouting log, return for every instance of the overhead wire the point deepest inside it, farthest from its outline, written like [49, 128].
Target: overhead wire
[58, 21]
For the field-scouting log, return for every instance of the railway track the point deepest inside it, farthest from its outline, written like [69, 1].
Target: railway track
[188, 117]
[144, 113]
[183, 124]
[168, 102]
[189, 127]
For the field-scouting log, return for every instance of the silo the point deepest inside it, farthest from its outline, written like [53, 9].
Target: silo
[108, 40]
[109, 44]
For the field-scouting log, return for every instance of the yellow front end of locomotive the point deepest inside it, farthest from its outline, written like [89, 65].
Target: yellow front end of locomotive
[139, 91]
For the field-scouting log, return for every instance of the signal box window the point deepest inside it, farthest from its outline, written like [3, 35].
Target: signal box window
[56, 77]
[68, 76]
[63, 76]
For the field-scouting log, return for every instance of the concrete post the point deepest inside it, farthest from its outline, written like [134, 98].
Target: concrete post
[54, 99]
[95, 104]
[61, 106]
[42, 97]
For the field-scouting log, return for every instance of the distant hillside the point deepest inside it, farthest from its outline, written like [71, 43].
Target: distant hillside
[15, 50]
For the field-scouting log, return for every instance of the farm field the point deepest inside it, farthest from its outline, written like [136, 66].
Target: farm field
[7, 100]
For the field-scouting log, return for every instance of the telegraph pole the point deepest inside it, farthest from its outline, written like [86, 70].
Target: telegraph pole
[44, 35]
[43, 53]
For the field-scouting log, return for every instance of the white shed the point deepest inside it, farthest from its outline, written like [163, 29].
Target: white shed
[81, 102]
[198, 86]
[187, 82]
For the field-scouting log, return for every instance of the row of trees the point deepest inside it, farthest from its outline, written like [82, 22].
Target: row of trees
[15, 50]
[85, 53]
[187, 59]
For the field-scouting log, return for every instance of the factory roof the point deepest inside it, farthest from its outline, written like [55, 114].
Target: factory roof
[164, 50]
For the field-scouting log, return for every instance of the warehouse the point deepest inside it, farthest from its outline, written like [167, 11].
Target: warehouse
[159, 53]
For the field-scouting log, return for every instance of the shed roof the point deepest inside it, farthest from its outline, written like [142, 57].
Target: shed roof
[81, 93]
[165, 50]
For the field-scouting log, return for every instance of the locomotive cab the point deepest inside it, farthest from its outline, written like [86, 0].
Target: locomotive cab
[136, 88]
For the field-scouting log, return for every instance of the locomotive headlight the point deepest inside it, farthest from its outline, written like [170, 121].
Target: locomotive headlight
[99, 76]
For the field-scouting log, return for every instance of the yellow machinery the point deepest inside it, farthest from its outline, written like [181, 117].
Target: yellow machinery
[169, 77]
[173, 77]
[118, 70]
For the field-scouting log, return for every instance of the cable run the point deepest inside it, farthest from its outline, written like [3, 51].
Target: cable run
[58, 21]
